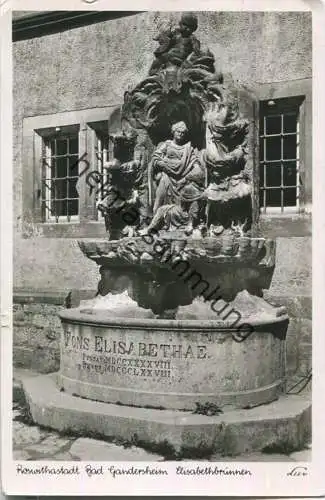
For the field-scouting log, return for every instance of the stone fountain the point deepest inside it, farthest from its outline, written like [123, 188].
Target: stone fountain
[178, 346]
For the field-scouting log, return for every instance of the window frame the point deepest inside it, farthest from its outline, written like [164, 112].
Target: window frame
[297, 222]
[278, 107]
[88, 223]
[48, 179]
[99, 158]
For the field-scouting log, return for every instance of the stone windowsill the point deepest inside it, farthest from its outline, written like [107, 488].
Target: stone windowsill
[89, 229]
[67, 298]
[284, 225]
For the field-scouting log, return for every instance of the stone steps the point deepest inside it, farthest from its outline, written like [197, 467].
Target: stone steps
[280, 427]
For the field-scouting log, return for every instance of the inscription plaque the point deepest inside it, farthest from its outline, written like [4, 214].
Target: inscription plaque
[138, 359]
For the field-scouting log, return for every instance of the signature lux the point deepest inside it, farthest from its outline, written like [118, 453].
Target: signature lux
[298, 471]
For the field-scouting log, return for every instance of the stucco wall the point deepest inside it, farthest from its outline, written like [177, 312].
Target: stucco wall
[93, 66]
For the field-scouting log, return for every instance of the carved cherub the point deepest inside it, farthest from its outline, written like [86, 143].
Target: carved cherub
[175, 46]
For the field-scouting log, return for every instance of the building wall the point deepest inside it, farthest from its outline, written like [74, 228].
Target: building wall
[92, 66]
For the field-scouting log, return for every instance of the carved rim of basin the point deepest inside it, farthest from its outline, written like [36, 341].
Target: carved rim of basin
[250, 324]
[224, 249]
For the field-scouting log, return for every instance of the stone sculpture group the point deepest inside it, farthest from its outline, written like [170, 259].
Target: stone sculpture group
[180, 159]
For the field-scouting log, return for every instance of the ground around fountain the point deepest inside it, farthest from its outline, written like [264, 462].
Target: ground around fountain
[32, 442]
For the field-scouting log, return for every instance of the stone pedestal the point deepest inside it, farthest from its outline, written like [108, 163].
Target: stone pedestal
[226, 352]
[284, 424]
[171, 377]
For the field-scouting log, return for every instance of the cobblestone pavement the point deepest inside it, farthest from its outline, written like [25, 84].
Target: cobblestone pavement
[31, 442]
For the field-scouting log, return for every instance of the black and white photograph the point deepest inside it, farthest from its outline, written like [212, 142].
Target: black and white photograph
[161, 243]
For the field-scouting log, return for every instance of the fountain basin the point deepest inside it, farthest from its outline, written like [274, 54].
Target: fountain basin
[172, 364]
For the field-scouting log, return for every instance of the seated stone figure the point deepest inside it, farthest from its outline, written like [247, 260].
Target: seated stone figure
[228, 193]
[179, 176]
[123, 192]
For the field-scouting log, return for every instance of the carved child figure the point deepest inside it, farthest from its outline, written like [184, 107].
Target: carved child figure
[176, 45]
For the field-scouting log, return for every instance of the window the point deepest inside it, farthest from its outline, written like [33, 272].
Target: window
[60, 174]
[280, 151]
[103, 153]
[59, 151]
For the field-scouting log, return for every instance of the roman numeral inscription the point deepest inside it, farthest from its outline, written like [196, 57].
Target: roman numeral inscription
[135, 359]
[126, 366]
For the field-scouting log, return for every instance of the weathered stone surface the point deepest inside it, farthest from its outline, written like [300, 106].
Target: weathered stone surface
[300, 330]
[40, 321]
[306, 330]
[19, 374]
[42, 360]
[254, 457]
[51, 445]
[36, 337]
[18, 315]
[18, 396]
[66, 456]
[292, 275]
[27, 335]
[305, 357]
[298, 306]
[126, 360]
[40, 307]
[282, 226]
[16, 413]
[298, 345]
[22, 356]
[285, 423]
[302, 456]
[36, 332]
[21, 455]
[93, 449]
[292, 353]
[23, 435]
[33, 322]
